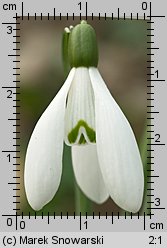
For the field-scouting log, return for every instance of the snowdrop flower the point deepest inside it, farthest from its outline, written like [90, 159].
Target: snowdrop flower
[84, 115]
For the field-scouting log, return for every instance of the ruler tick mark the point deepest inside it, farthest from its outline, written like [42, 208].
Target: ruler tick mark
[54, 13]
[112, 219]
[118, 13]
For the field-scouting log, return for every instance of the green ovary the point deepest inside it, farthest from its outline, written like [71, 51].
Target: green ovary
[72, 136]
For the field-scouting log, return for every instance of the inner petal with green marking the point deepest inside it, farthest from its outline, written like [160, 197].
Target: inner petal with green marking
[80, 111]
[82, 132]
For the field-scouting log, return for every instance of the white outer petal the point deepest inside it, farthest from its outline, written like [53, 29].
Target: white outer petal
[87, 172]
[43, 163]
[117, 149]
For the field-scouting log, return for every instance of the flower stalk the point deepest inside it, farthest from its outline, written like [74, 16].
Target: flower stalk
[83, 205]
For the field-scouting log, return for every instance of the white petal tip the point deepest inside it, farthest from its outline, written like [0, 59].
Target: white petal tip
[36, 207]
[131, 201]
[38, 199]
[132, 207]
[101, 200]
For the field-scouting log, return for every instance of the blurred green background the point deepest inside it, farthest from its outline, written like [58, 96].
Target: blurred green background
[122, 64]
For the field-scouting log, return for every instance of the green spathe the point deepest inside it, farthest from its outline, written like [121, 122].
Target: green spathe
[82, 47]
[65, 39]
[72, 136]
